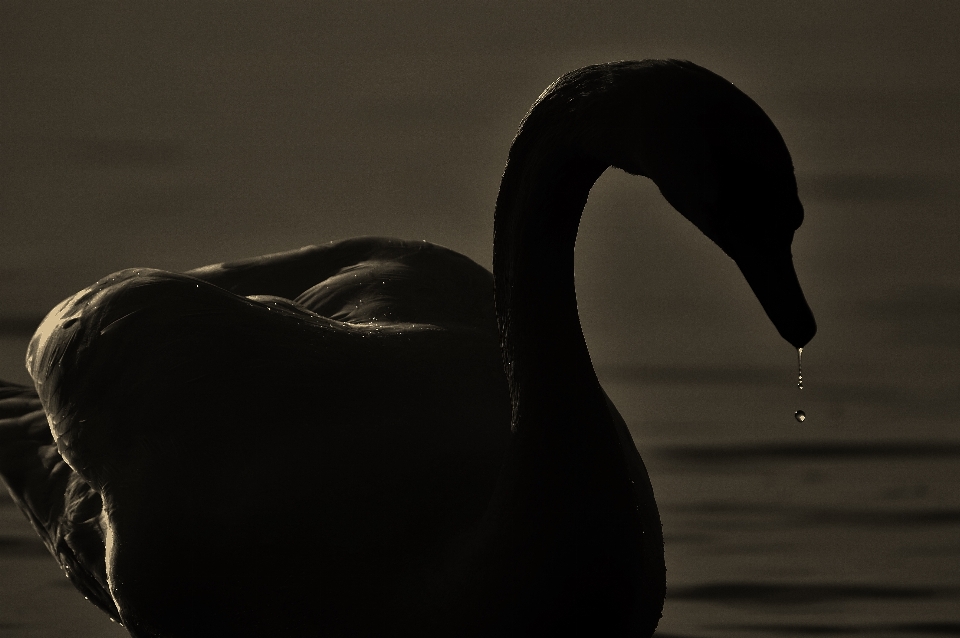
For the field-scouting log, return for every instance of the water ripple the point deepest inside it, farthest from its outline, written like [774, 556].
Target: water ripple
[20, 546]
[828, 516]
[815, 451]
[797, 594]
[947, 628]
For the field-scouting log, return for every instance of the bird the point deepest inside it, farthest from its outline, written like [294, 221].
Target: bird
[378, 437]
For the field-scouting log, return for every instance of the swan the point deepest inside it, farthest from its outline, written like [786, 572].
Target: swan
[351, 440]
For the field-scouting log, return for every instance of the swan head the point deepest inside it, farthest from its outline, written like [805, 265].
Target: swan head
[716, 157]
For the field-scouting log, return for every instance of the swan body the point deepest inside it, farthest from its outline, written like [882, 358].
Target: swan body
[347, 441]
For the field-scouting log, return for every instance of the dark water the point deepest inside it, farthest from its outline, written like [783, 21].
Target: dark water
[177, 135]
[772, 528]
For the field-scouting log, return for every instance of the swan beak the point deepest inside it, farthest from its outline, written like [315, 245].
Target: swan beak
[774, 281]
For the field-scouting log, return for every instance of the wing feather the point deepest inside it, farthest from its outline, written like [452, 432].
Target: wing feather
[65, 510]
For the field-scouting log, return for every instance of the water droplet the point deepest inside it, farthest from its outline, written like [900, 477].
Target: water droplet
[800, 415]
[800, 368]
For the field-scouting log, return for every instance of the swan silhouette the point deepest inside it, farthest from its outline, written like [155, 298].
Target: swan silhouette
[324, 442]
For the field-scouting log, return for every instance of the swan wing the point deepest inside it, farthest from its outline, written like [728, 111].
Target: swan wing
[367, 279]
[64, 509]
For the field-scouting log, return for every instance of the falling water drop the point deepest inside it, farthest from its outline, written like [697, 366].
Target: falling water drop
[800, 368]
[800, 415]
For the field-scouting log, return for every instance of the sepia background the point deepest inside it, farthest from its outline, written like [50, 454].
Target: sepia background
[178, 134]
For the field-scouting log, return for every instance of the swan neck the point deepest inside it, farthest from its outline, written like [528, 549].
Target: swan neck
[535, 231]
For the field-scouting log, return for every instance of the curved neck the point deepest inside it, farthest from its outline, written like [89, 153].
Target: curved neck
[568, 517]
[565, 455]
[542, 196]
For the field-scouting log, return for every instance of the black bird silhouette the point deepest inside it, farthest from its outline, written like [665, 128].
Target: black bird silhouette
[324, 442]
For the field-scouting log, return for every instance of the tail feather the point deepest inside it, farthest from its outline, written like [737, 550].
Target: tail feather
[64, 509]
